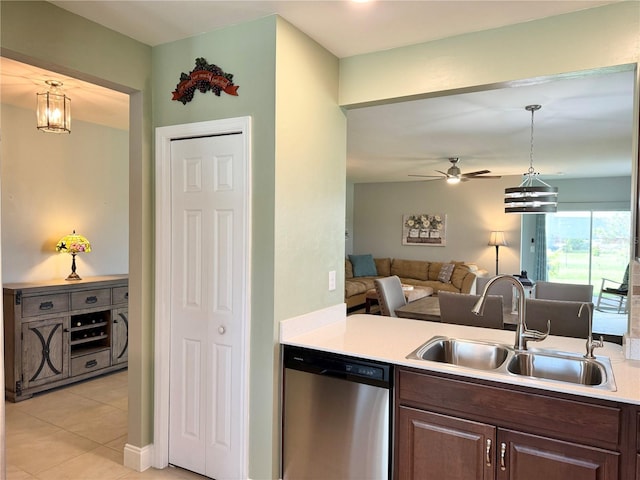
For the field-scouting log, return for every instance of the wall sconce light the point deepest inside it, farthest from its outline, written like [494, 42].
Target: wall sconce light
[73, 244]
[53, 111]
[496, 239]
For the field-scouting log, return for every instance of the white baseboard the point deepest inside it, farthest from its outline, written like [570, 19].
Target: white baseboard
[136, 458]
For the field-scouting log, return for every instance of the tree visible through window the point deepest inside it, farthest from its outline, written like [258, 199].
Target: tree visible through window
[584, 247]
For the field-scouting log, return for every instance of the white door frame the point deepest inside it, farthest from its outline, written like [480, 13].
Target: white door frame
[164, 135]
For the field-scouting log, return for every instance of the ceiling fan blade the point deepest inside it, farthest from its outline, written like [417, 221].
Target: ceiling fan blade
[443, 173]
[483, 177]
[473, 174]
[425, 176]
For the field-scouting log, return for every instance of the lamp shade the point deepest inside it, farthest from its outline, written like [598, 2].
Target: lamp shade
[73, 243]
[496, 239]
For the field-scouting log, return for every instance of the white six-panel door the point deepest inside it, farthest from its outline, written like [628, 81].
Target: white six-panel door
[208, 195]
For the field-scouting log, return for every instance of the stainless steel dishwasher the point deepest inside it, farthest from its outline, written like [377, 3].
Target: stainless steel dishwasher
[337, 413]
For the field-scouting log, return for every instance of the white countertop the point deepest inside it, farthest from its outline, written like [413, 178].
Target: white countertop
[392, 339]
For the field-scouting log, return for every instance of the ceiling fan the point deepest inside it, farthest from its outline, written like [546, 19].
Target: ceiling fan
[454, 175]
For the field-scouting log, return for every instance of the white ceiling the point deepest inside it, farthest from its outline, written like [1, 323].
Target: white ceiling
[584, 125]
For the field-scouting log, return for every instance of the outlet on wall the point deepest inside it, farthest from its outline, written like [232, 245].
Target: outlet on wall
[332, 280]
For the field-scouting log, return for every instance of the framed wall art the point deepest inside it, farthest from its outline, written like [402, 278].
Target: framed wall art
[428, 229]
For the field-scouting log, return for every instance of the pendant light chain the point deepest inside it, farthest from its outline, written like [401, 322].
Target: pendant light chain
[532, 109]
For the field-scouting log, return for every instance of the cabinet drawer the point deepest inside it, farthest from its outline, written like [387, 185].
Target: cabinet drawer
[120, 295]
[90, 298]
[45, 304]
[90, 362]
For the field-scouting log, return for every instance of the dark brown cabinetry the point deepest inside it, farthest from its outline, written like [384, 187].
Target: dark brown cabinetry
[61, 332]
[637, 446]
[449, 428]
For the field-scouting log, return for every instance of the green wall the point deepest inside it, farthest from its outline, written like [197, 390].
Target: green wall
[90, 52]
[288, 85]
[585, 40]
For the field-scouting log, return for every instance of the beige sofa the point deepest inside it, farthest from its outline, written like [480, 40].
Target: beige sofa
[411, 272]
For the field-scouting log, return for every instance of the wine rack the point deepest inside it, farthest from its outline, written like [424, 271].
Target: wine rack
[89, 332]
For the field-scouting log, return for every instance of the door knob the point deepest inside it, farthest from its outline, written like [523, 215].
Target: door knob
[221, 330]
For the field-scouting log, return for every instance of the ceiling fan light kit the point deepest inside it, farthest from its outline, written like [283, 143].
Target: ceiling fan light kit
[532, 195]
[453, 175]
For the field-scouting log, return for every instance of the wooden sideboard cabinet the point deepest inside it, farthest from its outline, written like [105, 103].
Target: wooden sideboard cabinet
[61, 332]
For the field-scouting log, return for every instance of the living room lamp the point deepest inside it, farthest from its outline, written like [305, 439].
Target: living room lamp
[529, 196]
[53, 111]
[496, 239]
[73, 244]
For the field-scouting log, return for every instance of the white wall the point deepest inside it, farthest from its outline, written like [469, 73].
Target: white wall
[55, 183]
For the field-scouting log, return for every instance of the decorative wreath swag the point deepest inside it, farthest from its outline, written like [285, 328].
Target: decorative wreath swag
[204, 77]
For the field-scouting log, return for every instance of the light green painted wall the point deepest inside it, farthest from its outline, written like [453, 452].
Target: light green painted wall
[310, 176]
[53, 184]
[288, 84]
[473, 209]
[585, 40]
[248, 52]
[90, 52]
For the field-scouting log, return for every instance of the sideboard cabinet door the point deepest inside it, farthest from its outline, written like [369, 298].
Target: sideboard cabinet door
[120, 336]
[44, 351]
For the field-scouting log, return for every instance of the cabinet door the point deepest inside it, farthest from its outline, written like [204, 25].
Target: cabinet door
[438, 447]
[119, 336]
[44, 351]
[530, 457]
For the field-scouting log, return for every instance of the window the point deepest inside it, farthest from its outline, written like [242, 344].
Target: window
[584, 247]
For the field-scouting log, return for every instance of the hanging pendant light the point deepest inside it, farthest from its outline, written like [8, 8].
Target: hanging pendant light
[53, 110]
[532, 195]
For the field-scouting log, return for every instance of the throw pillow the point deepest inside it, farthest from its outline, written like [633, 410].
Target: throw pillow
[363, 266]
[445, 272]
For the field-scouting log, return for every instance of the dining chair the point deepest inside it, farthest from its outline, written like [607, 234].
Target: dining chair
[564, 291]
[504, 289]
[562, 315]
[390, 295]
[456, 308]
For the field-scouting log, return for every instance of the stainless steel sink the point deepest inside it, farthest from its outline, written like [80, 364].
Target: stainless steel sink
[563, 368]
[464, 353]
[542, 365]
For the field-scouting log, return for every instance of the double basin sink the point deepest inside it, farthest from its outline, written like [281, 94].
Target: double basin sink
[503, 359]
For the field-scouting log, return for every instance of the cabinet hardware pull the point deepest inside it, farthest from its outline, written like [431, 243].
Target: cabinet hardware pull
[91, 363]
[46, 305]
[503, 452]
[488, 454]
[126, 296]
[91, 299]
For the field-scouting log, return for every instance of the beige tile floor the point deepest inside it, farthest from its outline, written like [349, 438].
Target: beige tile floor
[75, 433]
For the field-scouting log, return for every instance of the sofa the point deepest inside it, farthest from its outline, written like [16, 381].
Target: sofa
[455, 277]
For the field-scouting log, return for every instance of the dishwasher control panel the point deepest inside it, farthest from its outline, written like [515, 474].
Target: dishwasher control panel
[340, 366]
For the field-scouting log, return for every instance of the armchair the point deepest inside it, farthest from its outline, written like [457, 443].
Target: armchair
[613, 295]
